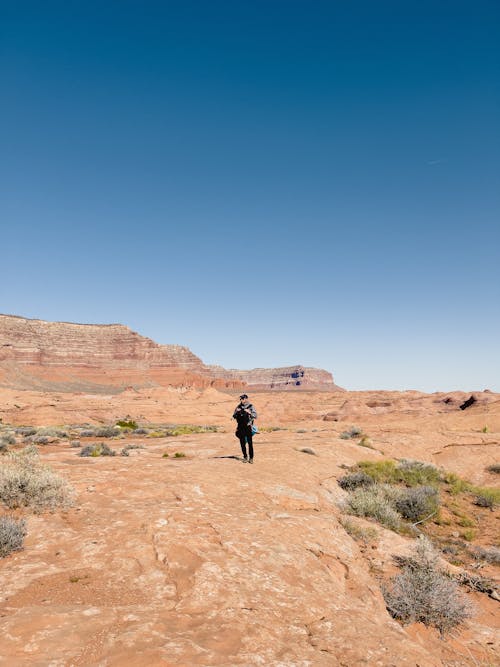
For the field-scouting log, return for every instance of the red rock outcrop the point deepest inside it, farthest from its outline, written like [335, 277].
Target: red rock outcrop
[63, 356]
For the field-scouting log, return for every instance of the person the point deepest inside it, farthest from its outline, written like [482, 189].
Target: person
[245, 414]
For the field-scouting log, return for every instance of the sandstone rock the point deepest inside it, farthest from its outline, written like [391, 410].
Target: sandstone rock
[106, 358]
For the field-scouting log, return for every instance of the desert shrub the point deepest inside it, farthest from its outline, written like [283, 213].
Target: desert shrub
[124, 423]
[355, 480]
[373, 502]
[127, 448]
[8, 439]
[40, 439]
[489, 554]
[423, 593]
[353, 432]
[87, 433]
[186, 429]
[97, 449]
[25, 482]
[468, 534]
[179, 455]
[417, 502]
[140, 431]
[4, 448]
[106, 432]
[12, 534]
[494, 468]
[165, 455]
[52, 432]
[365, 442]
[455, 484]
[271, 429]
[75, 443]
[25, 430]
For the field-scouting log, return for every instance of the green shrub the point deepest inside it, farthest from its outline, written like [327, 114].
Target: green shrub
[123, 423]
[25, 482]
[406, 471]
[12, 534]
[423, 593]
[179, 455]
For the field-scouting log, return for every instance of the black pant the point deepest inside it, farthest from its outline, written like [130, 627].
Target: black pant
[245, 435]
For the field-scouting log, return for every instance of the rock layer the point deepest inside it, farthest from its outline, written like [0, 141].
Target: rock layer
[63, 356]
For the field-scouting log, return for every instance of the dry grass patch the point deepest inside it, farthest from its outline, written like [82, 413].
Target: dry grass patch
[26, 482]
[12, 534]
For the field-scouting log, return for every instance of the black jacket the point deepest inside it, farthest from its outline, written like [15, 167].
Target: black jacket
[242, 417]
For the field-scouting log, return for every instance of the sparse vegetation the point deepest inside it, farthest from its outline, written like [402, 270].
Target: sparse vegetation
[495, 468]
[12, 534]
[106, 432]
[406, 471]
[8, 439]
[25, 482]
[75, 443]
[165, 455]
[98, 449]
[353, 432]
[366, 442]
[423, 593]
[363, 534]
[179, 455]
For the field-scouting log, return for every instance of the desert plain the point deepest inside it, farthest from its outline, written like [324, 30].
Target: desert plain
[197, 558]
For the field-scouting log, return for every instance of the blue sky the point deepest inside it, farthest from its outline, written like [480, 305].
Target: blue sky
[267, 182]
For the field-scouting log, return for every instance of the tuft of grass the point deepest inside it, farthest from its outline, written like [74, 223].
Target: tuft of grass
[359, 533]
[25, 482]
[468, 535]
[12, 534]
[179, 455]
[365, 442]
[423, 593]
[485, 429]
[271, 429]
[489, 554]
[406, 471]
[165, 455]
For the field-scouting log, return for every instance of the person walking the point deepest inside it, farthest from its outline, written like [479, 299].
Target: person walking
[245, 414]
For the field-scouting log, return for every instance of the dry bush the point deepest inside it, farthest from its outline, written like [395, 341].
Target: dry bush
[489, 554]
[98, 449]
[494, 468]
[375, 502]
[423, 593]
[355, 480]
[25, 482]
[127, 448]
[12, 534]
[418, 502]
[353, 432]
[360, 533]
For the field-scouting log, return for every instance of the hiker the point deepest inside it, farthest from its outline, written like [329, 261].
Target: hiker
[245, 414]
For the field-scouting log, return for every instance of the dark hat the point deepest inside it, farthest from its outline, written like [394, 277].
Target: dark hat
[243, 396]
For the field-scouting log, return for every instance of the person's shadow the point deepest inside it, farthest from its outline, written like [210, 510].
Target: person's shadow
[236, 458]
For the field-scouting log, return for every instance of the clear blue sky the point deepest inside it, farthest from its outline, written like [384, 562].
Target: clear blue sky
[267, 182]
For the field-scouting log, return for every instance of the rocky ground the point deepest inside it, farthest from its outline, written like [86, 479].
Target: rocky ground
[204, 560]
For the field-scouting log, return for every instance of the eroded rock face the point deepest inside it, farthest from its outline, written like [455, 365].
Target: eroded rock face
[63, 356]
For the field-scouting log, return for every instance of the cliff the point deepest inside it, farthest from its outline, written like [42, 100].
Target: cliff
[64, 356]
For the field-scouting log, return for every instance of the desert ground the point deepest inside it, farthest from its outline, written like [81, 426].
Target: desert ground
[200, 559]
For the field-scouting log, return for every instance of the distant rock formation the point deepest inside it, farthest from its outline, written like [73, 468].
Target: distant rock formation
[64, 356]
